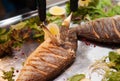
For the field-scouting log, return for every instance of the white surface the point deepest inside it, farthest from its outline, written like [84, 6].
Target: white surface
[86, 55]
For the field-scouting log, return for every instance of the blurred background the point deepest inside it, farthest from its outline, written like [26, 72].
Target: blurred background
[10, 8]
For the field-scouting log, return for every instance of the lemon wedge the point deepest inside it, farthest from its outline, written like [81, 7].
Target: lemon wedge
[53, 28]
[56, 10]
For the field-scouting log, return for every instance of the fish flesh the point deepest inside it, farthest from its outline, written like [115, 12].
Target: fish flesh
[51, 57]
[105, 30]
[49, 60]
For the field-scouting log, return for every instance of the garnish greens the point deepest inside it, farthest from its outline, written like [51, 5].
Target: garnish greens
[8, 75]
[95, 9]
[111, 68]
[114, 73]
[77, 77]
[26, 30]
[17, 34]
[54, 19]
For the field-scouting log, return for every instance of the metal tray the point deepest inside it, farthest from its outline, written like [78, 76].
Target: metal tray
[86, 55]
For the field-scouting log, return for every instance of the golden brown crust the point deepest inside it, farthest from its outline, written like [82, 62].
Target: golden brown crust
[101, 30]
[49, 59]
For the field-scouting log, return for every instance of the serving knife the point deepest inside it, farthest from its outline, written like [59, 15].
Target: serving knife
[73, 5]
[41, 5]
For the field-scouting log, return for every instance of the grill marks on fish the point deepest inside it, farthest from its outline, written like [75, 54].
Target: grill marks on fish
[34, 62]
[31, 72]
[102, 30]
[47, 62]
[35, 69]
[94, 32]
[52, 57]
[57, 51]
[115, 28]
[117, 23]
[97, 30]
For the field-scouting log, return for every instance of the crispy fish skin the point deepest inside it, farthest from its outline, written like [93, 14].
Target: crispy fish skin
[50, 58]
[102, 30]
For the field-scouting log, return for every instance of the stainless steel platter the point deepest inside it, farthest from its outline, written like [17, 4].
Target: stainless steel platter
[86, 54]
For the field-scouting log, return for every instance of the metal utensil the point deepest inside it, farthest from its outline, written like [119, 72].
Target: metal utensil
[73, 5]
[41, 4]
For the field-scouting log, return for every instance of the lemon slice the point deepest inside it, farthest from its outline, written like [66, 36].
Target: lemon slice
[53, 28]
[56, 10]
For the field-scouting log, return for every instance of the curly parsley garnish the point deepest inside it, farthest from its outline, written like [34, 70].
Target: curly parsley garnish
[8, 75]
[95, 9]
